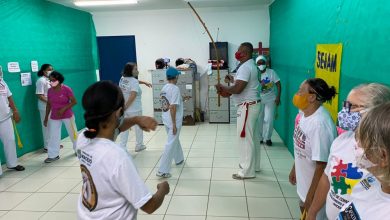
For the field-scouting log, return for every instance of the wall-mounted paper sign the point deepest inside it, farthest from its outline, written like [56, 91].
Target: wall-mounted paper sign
[34, 66]
[25, 79]
[13, 67]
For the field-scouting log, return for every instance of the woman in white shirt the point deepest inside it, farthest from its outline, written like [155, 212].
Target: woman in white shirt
[313, 135]
[132, 92]
[373, 137]
[342, 177]
[42, 86]
[112, 187]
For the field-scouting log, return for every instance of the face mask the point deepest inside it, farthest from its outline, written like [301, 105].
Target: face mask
[262, 67]
[348, 120]
[361, 160]
[300, 101]
[119, 124]
[135, 73]
[54, 83]
[238, 55]
[48, 73]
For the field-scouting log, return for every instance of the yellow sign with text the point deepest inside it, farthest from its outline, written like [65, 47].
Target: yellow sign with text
[327, 67]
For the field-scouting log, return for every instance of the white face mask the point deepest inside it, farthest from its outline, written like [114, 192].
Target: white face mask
[361, 160]
[48, 73]
[262, 67]
[135, 73]
[54, 83]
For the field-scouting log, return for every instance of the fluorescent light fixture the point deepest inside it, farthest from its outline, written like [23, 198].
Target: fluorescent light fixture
[107, 2]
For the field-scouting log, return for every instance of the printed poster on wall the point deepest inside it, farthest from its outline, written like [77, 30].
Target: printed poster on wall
[34, 66]
[25, 79]
[13, 67]
[327, 67]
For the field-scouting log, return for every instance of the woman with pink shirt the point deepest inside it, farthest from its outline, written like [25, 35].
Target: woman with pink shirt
[60, 100]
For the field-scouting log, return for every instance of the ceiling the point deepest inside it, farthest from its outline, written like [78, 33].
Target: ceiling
[166, 4]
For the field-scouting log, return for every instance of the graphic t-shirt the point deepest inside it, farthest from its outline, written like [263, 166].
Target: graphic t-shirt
[170, 95]
[128, 85]
[59, 99]
[370, 204]
[5, 110]
[267, 85]
[112, 187]
[42, 87]
[344, 176]
[313, 137]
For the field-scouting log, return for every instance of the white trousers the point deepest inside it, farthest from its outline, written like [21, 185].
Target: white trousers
[172, 150]
[8, 138]
[249, 145]
[45, 130]
[266, 120]
[53, 149]
[139, 134]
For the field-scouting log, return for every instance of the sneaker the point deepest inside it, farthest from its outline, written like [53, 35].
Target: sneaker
[268, 143]
[163, 175]
[238, 177]
[177, 164]
[17, 168]
[143, 147]
[45, 150]
[49, 160]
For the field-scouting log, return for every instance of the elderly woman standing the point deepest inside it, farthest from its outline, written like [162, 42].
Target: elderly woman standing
[313, 136]
[60, 100]
[341, 174]
[374, 155]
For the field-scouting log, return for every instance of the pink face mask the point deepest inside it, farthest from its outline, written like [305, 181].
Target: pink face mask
[54, 83]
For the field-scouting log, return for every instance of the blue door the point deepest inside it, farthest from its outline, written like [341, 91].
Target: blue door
[114, 53]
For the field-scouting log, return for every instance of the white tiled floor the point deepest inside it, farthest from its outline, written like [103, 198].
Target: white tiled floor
[201, 188]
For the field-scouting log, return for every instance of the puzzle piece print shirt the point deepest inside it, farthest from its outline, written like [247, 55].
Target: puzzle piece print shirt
[370, 204]
[343, 175]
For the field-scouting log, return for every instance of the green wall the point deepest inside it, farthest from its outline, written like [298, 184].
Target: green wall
[49, 33]
[298, 25]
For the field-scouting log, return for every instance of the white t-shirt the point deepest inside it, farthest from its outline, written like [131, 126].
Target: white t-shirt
[112, 188]
[248, 73]
[5, 110]
[343, 175]
[170, 95]
[268, 80]
[313, 137]
[371, 204]
[128, 85]
[42, 86]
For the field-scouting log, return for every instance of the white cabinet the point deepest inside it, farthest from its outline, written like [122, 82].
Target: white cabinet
[218, 113]
[186, 85]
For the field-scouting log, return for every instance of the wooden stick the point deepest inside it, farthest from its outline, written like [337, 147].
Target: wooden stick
[214, 45]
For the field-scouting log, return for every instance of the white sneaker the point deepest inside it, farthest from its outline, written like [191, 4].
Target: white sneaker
[163, 175]
[143, 147]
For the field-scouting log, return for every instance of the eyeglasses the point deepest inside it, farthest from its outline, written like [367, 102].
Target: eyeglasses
[348, 105]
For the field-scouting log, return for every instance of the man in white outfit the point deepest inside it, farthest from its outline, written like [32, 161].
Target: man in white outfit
[172, 116]
[6, 128]
[245, 93]
[269, 99]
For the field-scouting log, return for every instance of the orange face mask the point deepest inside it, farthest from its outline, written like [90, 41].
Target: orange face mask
[300, 101]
